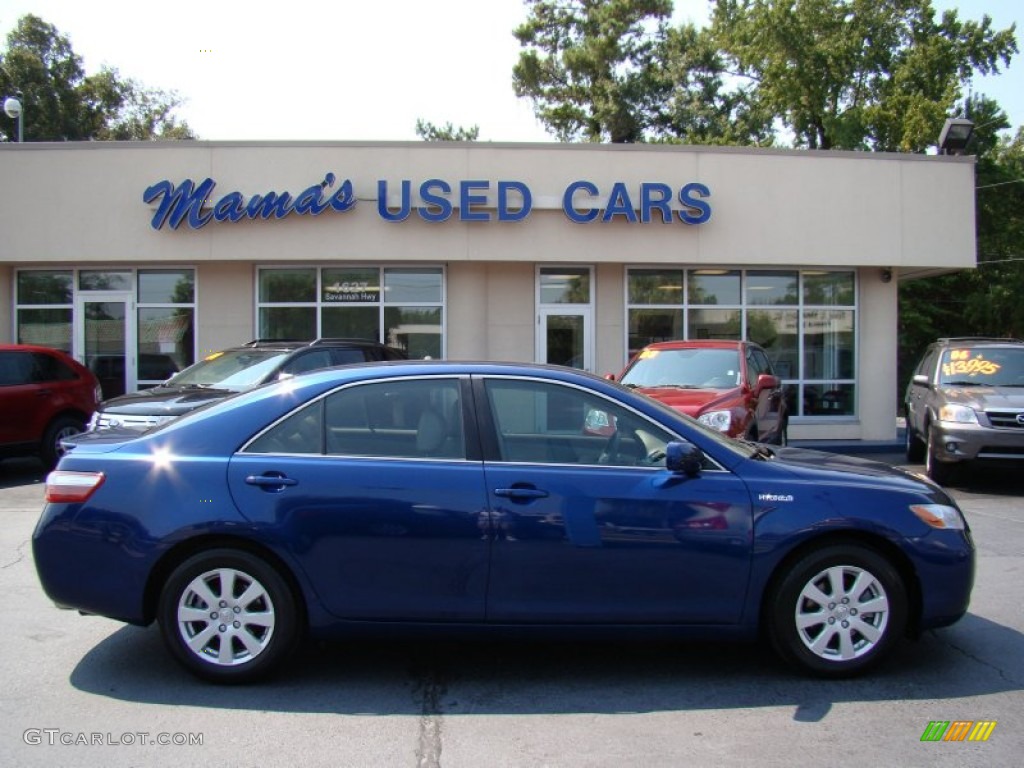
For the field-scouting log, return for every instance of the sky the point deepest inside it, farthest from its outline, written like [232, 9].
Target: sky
[354, 69]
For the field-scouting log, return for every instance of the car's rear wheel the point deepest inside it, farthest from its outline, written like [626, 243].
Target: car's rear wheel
[60, 428]
[914, 446]
[837, 611]
[228, 616]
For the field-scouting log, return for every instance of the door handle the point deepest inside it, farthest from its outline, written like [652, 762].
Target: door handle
[271, 481]
[521, 493]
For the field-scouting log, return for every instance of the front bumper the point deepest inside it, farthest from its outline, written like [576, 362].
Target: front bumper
[972, 442]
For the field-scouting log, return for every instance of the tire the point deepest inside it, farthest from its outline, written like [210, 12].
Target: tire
[914, 446]
[61, 427]
[940, 471]
[818, 615]
[235, 631]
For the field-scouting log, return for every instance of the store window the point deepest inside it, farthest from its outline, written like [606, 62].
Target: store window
[49, 304]
[805, 320]
[400, 306]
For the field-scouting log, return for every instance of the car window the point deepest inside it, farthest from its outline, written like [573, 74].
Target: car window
[308, 361]
[49, 368]
[15, 368]
[418, 418]
[982, 366]
[232, 369]
[349, 355]
[545, 423]
[302, 433]
[759, 363]
[687, 368]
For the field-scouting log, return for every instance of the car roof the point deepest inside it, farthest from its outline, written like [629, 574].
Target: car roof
[699, 344]
[976, 341]
[290, 345]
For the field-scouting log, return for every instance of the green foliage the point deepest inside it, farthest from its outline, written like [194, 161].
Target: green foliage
[62, 103]
[448, 132]
[858, 74]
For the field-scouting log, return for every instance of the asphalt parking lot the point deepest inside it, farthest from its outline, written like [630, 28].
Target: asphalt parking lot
[84, 691]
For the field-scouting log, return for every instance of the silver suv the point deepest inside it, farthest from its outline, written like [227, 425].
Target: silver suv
[965, 403]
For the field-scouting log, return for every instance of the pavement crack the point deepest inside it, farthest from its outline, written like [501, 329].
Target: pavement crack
[20, 550]
[983, 662]
[430, 690]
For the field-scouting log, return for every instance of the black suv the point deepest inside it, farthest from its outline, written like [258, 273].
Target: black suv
[965, 403]
[234, 370]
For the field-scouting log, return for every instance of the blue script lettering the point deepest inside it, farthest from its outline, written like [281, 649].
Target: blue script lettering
[192, 203]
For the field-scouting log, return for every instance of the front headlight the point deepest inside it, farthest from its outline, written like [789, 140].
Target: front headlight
[959, 414]
[720, 420]
[939, 516]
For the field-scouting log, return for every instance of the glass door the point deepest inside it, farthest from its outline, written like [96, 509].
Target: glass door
[563, 337]
[104, 339]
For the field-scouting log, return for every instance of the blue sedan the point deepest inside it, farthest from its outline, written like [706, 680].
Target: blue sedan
[496, 496]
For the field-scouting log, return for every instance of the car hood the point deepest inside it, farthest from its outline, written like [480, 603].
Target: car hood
[693, 402]
[163, 401]
[985, 398]
[803, 461]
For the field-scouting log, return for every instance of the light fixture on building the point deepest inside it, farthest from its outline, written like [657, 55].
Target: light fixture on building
[13, 108]
[956, 133]
[886, 275]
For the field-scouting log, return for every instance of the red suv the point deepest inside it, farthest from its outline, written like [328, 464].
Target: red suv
[727, 385]
[45, 396]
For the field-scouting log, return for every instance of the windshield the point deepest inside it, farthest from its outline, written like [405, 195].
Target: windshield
[688, 368]
[235, 369]
[983, 367]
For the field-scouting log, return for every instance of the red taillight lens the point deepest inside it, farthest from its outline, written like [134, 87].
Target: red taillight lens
[66, 487]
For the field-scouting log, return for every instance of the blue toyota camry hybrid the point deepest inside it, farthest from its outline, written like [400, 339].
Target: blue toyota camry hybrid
[496, 496]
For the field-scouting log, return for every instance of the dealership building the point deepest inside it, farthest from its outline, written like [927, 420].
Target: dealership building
[141, 258]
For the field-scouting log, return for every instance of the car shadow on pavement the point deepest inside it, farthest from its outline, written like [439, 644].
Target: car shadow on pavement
[435, 677]
[18, 472]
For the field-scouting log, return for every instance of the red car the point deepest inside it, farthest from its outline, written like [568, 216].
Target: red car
[727, 385]
[45, 396]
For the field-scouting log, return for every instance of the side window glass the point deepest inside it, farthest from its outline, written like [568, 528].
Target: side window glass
[310, 361]
[15, 368]
[761, 363]
[49, 368]
[349, 355]
[301, 433]
[421, 418]
[544, 423]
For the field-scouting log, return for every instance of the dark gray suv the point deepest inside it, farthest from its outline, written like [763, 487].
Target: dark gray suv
[234, 370]
[965, 403]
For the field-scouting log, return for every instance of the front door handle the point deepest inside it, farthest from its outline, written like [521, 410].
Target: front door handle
[521, 493]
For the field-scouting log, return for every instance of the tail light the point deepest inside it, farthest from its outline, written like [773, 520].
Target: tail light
[63, 487]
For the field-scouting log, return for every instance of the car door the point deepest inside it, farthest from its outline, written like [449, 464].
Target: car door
[377, 493]
[769, 401]
[590, 527]
[20, 398]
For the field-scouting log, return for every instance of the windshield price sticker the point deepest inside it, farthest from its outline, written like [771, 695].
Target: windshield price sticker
[961, 363]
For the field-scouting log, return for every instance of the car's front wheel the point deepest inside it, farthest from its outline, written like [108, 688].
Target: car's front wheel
[228, 616]
[837, 611]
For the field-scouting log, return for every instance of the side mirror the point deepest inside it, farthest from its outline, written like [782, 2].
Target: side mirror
[609, 377]
[921, 380]
[685, 457]
[767, 381]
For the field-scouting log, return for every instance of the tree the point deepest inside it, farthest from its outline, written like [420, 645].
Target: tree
[62, 103]
[857, 74]
[588, 65]
[448, 132]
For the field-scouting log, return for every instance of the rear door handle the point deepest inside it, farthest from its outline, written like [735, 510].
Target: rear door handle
[271, 481]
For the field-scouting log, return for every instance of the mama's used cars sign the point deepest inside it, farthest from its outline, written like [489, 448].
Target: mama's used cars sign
[436, 200]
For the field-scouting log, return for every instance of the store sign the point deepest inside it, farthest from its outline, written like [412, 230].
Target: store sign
[354, 290]
[436, 200]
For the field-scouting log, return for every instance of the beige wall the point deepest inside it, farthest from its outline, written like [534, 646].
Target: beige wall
[84, 201]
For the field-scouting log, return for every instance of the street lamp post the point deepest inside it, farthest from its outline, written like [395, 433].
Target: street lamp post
[14, 108]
